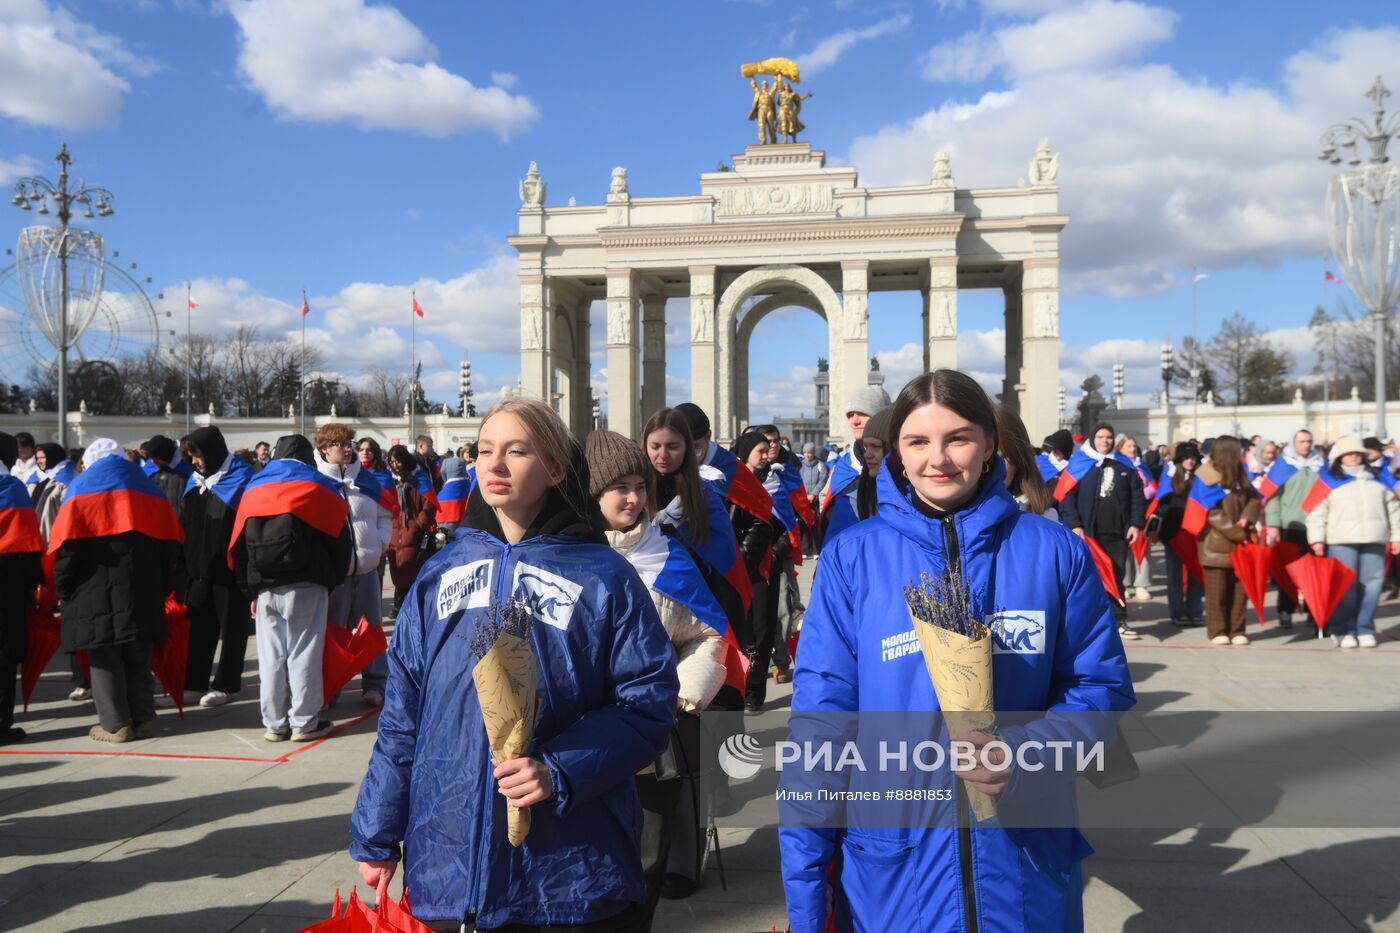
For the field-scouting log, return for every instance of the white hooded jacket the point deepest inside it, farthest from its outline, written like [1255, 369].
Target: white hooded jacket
[371, 524]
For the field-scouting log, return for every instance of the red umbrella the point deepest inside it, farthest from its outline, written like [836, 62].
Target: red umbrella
[1107, 575]
[168, 660]
[1185, 547]
[43, 640]
[1251, 563]
[1280, 556]
[1322, 581]
[347, 653]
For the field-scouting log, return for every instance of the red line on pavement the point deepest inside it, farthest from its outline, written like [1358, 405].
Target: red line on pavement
[281, 759]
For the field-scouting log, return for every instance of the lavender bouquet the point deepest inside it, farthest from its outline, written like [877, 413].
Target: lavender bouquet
[506, 678]
[957, 649]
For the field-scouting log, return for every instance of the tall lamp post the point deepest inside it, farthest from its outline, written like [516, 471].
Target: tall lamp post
[36, 190]
[1363, 220]
[1168, 365]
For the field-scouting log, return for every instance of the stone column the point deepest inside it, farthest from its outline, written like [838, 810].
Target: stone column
[582, 421]
[1012, 327]
[624, 376]
[536, 366]
[653, 355]
[941, 314]
[1039, 388]
[855, 345]
[703, 367]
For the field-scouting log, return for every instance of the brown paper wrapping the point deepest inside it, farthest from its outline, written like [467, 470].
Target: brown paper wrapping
[961, 671]
[505, 681]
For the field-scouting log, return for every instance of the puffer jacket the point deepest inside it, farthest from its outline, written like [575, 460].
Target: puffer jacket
[699, 649]
[1056, 648]
[1222, 532]
[608, 700]
[1362, 511]
[371, 524]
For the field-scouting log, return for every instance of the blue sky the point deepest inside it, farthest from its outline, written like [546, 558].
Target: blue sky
[359, 149]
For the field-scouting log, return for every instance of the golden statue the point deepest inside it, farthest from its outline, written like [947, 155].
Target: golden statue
[762, 110]
[775, 108]
[789, 106]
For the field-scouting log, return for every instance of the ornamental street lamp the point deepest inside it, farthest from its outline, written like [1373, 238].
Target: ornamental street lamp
[1120, 384]
[36, 191]
[1363, 221]
[1168, 365]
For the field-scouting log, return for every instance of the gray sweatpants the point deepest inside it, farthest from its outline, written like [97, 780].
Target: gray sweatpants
[122, 684]
[291, 629]
[360, 596]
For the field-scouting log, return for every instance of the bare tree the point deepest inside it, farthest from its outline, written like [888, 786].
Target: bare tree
[386, 394]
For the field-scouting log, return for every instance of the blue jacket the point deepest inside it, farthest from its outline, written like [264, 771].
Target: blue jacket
[609, 697]
[913, 878]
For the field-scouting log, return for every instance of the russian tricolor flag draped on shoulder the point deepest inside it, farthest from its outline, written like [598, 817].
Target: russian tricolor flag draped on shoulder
[228, 484]
[452, 498]
[289, 487]
[1078, 467]
[111, 497]
[19, 523]
[737, 483]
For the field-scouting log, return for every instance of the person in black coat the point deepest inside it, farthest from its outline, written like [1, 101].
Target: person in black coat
[1109, 506]
[218, 609]
[20, 574]
[755, 542]
[112, 592]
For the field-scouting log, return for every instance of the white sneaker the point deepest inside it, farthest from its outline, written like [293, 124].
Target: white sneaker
[214, 698]
[1348, 641]
[80, 694]
[1336, 641]
[1143, 594]
[1220, 640]
[1366, 641]
[1240, 640]
[1127, 634]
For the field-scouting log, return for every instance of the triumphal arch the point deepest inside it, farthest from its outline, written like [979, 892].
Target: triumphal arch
[781, 228]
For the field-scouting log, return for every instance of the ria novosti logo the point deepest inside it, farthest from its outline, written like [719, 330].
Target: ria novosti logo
[741, 756]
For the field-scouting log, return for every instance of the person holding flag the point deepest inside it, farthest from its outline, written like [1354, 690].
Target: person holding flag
[755, 536]
[217, 608]
[706, 652]
[719, 467]
[21, 573]
[1228, 525]
[410, 544]
[1356, 522]
[1286, 487]
[115, 543]
[1054, 456]
[1105, 502]
[1139, 576]
[371, 529]
[1185, 582]
[291, 546]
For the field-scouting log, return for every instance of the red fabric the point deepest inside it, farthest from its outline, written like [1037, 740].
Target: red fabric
[1185, 547]
[748, 494]
[1319, 491]
[1139, 547]
[1251, 563]
[349, 652]
[792, 641]
[803, 506]
[417, 308]
[309, 501]
[168, 660]
[738, 577]
[1280, 556]
[19, 531]
[114, 512]
[1322, 581]
[795, 540]
[44, 638]
[736, 662]
[1107, 576]
[1063, 485]
[359, 917]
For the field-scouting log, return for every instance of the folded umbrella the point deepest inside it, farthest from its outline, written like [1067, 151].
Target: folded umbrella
[1251, 563]
[1322, 581]
[349, 652]
[1139, 548]
[168, 661]
[1280, 556]
[42, 632]
[1185, 546]
[1107, 574]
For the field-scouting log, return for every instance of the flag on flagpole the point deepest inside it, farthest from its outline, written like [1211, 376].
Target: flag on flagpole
[305, 308]
[417, 308]
[1329, 277]
[1200, 276]
[192, 303]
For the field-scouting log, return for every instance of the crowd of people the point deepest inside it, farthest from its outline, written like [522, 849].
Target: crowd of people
[660, 578]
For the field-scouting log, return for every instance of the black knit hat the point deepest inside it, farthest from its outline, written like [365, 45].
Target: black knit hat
[694, 416]
[746, 443]
[293, 447]
[1186, 450]
[9, 449]
[1060, 443]
[610, 457]
[1373, 443]
[161, 447]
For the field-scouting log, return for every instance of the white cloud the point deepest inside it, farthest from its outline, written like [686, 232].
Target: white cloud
[1079, 38]
[829, 50]
[1158, 171]
[504, 79]
[17, 167]
[58, 71]
[337, 61]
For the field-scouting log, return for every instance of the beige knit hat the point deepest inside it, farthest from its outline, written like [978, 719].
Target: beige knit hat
[610, 457]
[1347, 444]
